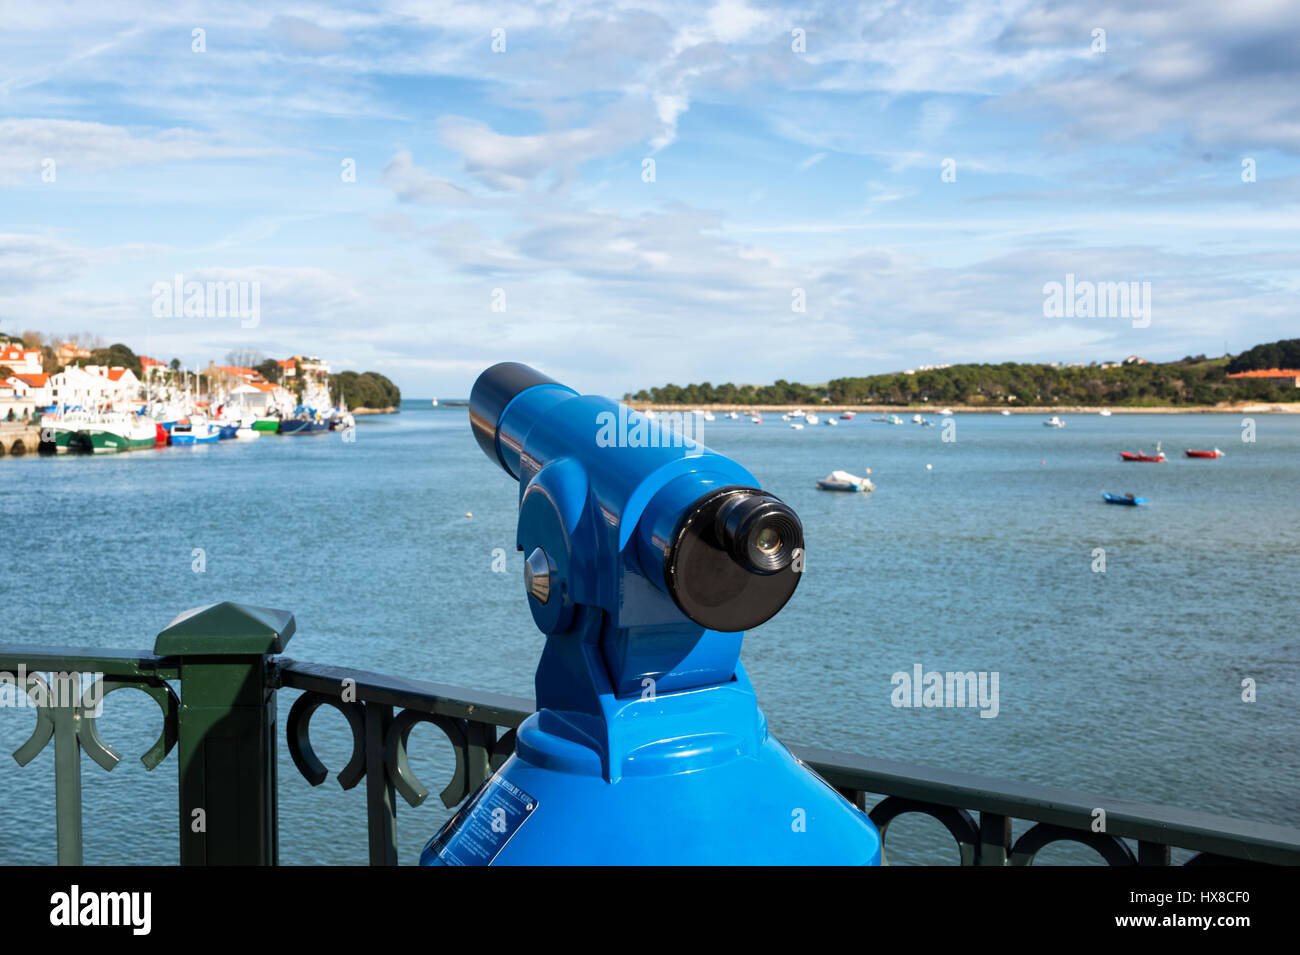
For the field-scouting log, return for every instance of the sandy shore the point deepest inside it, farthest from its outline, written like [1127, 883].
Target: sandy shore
[933, 409]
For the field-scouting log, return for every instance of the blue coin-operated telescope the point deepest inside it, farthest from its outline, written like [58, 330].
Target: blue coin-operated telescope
[646, 557]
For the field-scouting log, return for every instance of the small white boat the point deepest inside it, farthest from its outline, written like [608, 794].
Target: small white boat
[1054, 422]
[844, 481]
[733, 416]
[1104, 412]
[435, 402]
[796, 426]
[946, 411]
[709, 416]
[756, 419]
[1006, 414]
[894, 419]
[832, 422]
[247, 434]
[916, 419]
[812, 419]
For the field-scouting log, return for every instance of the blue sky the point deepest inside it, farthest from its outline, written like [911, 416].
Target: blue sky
[775, 169]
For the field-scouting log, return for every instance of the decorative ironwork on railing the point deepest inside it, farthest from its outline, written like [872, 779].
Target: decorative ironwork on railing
[224, 727]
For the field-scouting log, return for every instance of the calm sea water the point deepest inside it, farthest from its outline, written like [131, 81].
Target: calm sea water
[1125, 683]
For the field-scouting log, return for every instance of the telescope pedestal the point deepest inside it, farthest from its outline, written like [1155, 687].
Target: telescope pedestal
[733, 795]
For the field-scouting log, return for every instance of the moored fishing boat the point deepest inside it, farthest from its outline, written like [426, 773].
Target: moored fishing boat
[1139, 455]
[844, 481]
[1142, 456]
[1127, 499]
[304, 421]
[57, 430]
[194, 430]
[1216, 453]
[111, 432]
[267, 424]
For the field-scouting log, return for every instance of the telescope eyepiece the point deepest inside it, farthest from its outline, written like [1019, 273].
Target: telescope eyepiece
[759, 531]
[731, 564]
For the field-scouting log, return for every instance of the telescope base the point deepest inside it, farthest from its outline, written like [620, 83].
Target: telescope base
[760, 809]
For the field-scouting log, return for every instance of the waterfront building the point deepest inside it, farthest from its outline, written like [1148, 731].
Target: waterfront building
[32, 387]
[1282, 376]
[92, 386]
[68, 352]
[22, 361]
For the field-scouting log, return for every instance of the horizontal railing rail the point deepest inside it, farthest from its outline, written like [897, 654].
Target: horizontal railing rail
[225, 660]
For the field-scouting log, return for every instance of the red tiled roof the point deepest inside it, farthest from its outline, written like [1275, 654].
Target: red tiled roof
[115, 374]
[1268, 373]
[36, 381]
[287, 363]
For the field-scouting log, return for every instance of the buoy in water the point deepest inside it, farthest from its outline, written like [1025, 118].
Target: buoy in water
[468, 514]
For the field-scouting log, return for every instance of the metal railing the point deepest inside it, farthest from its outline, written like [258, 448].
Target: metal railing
[225, 658]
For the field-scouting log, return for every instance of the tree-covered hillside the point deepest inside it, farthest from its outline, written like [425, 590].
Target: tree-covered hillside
[1191, 381]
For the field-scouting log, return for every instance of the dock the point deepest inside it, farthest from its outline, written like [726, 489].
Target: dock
[17, 438]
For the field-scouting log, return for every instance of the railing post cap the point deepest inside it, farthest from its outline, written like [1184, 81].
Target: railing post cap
[226, 629]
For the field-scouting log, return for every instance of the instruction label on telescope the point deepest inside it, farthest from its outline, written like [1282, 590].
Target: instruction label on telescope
[481, 830]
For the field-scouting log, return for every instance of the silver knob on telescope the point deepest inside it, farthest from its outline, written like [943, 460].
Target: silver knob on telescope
[537, 575]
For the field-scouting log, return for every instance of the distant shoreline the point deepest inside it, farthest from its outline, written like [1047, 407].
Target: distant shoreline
[361, 411]
[1236, 408]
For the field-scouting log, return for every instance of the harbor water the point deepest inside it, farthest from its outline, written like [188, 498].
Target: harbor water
[1121, 638]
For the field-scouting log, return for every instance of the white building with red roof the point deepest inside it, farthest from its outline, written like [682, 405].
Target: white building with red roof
[23, 361]
[93, 386]
[32, 387]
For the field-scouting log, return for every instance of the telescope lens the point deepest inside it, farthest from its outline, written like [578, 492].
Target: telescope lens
[731, 562]
[758, 531]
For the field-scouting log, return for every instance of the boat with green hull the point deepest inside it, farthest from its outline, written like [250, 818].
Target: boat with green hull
[108, 439]
[271, 425]
[82, 433]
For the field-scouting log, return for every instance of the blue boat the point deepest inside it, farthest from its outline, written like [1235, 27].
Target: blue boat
[1128, 499]
[304, 421]
[227, 432]
[194, 431]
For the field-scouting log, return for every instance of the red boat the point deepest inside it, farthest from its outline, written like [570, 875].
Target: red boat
[1216, 453]
[160, 435]
[1142, 456]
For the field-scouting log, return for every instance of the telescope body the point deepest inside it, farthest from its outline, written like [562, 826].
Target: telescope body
[647, 555]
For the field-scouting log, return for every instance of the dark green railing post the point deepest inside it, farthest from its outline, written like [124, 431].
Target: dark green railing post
[226, 731]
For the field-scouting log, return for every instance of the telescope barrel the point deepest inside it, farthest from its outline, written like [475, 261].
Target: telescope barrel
[492, 392]
[729, 554]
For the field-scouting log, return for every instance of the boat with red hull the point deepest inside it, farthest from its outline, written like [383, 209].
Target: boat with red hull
[1216, 453]
[1141, 456]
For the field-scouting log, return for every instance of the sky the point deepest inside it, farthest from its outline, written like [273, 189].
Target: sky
[630, 194]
